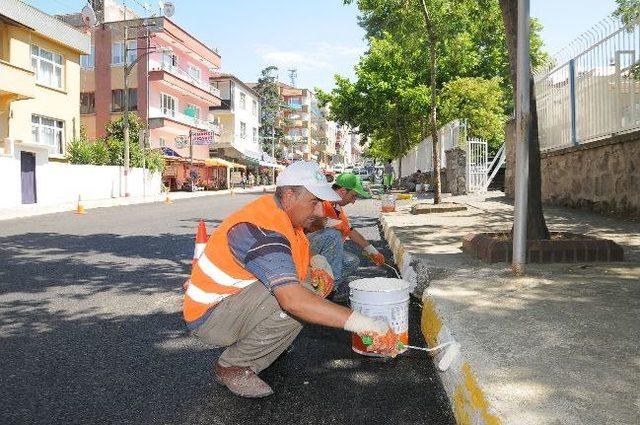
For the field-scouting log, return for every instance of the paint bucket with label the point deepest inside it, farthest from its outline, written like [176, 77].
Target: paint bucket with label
[388, 202]
[384, 299]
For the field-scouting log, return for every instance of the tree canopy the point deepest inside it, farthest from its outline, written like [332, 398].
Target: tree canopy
[388, 101]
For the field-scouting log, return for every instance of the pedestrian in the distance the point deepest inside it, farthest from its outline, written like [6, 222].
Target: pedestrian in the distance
[388, 177]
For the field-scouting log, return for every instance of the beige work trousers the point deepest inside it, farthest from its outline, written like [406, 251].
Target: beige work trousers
[252, 326]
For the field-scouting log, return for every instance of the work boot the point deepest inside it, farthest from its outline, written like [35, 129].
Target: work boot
[242, 381]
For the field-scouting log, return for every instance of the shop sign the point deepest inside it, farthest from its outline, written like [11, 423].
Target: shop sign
[202, 137]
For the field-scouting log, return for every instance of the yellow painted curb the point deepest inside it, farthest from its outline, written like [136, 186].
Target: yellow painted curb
[468, 401]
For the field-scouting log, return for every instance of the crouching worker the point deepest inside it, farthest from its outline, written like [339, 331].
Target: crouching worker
[328, 234]
[256, 283]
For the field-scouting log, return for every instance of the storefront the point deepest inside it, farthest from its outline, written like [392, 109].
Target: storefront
[179, 173]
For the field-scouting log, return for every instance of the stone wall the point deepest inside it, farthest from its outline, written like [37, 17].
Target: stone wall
[456, 171]
[601, 176]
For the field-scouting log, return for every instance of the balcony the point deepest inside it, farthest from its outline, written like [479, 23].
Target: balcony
[179, 117]
[16, 83]
[184, 76]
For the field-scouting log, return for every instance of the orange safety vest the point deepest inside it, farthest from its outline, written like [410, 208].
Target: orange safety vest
[218, 274]
[330, 212]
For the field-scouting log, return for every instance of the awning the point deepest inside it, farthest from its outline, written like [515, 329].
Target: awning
[272, 165]
[219, 162]
[169, 152]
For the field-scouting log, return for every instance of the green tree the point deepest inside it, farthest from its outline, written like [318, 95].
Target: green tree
[386, 102]
[628, 11]
[481, 103]
[99, 152]
[271, 106]
[115, 129]
[79, 151]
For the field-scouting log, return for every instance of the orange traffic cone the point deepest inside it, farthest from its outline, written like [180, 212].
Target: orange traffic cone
[201, 242]
[168, 200]
[80, 207]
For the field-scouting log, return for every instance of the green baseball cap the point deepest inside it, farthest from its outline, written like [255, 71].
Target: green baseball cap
[352, 182]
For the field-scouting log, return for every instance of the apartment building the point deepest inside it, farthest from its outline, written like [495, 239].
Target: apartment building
[168, 87]
[298, 123]
[39, 94]
[239, 117]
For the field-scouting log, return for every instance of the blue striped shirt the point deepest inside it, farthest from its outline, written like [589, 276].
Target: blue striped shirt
[265, 253]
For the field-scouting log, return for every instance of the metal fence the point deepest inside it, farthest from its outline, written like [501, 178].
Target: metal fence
[420, 157]
[594, 91]
[477, 165]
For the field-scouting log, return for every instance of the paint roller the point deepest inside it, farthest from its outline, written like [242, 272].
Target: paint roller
[443, 362]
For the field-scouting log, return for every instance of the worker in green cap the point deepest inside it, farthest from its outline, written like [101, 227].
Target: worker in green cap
[328, 234]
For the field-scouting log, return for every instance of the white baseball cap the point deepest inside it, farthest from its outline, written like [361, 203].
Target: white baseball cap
[308, 175]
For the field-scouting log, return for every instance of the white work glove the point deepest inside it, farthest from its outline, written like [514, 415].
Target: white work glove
[361, 324]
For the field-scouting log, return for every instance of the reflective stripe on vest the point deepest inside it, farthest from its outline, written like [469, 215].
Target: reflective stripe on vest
[202, 297]
[219, 276]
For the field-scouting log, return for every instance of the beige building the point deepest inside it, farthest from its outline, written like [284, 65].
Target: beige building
[39, 78]
[39, 87]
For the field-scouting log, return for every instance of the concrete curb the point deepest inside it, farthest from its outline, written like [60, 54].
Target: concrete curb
[467, 398]
[37, 210]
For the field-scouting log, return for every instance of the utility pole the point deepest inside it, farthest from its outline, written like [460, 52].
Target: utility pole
[273, 153]
[523, 122]
[191, 159]
[126, 112]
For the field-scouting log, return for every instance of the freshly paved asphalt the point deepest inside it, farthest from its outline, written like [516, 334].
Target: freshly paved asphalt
[91, 332]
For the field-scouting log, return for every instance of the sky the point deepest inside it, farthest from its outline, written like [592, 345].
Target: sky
[318, 38]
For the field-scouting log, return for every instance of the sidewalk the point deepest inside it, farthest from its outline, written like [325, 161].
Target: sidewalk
[559, 346]
[31, 210]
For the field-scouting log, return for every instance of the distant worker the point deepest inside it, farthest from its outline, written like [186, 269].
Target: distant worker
[388, 176]
[256, 282]
[328, 234]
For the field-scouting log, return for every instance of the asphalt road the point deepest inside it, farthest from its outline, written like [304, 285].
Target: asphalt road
[91, 332]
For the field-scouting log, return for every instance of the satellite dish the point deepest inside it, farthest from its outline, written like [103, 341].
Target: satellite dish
[168, 9]
[88, 16]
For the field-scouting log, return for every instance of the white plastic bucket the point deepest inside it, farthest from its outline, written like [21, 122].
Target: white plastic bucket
[381, 298]
[388, 202]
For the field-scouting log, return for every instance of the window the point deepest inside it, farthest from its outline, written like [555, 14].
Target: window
[163, 143]
[254, 108]
[87, 103]
[168, 104]
[243, 130]
[243, 100]
[49, 132]
[194, 71]
[88, 61]
[117, 52]
[117, 100]
[255, 134]
[48, 66]
[132, 51]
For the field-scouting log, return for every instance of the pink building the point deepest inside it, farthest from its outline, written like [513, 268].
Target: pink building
[168, 88]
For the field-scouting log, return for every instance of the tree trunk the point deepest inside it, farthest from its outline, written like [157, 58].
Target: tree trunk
[433, 124]
[536, 225]
[434, 128]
